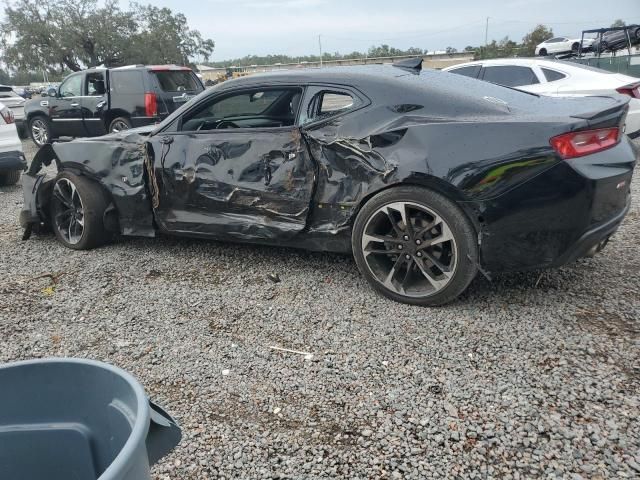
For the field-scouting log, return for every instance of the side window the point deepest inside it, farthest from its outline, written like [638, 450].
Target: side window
[510, 76]
[552, 75]
[257, 108]
[94, 84]
[127, 82]
[71, 87]
[327, 104]
[469, 71]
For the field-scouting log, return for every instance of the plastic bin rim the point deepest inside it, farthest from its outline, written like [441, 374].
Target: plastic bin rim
[141, 426]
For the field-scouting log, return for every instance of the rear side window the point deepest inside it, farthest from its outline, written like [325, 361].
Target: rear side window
[178, 81]
[127, 82]
[552, 75]
[469, 71]
[510, 75]
[334, 103]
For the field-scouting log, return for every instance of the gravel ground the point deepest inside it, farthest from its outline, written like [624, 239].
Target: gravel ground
[533, 375]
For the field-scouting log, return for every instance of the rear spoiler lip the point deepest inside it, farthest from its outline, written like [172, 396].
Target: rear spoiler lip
[621, 104]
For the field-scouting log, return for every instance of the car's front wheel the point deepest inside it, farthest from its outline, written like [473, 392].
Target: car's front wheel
[77, 212]
[413, 245]
[543, 52]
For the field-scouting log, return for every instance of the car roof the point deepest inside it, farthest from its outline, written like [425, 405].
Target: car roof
[525, 62]
[356, 76]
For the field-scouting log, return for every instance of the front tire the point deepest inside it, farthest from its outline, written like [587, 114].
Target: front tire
[543, 52]
[77, 212]
[9, 178]
[415, 246]
[40, 130]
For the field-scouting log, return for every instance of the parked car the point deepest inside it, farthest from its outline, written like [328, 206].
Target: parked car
[97, 101]
[557, 78]
[12, 160]
[426, 177]
[562, 45]
[16, 103]
[617, 39]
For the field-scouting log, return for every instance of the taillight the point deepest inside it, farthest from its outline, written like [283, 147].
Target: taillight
[150, 104]
[585, 142]
[633, 90]
[7, 115]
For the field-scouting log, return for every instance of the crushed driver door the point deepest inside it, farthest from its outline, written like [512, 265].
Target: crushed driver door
[233, 183]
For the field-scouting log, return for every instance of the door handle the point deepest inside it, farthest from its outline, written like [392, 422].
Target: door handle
[75, 104]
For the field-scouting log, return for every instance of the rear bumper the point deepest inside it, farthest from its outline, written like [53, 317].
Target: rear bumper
[560, 215]
[591, 239]
[13, 160]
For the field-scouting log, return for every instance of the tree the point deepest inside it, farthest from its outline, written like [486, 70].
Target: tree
[165, 37]
[451, 50]
[74, 34]
[618, 23]
[534, 38]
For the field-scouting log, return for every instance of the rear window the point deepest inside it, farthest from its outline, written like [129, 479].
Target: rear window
[510, 75]
[127, 82]
[178, 81]
[8, 94]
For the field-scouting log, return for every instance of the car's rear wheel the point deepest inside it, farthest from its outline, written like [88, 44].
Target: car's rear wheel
[77, 212]
[543, 52]
[40, 130]
[9, 178]
[575, 47]
[119, 124]
[413, 245]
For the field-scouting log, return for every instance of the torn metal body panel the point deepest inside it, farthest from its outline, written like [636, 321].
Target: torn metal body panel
[281, 171]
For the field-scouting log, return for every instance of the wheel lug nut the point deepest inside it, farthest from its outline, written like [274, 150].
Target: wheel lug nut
[399, 247]
[407, 256]
[418, 242]
[419, 254]
[406, 237]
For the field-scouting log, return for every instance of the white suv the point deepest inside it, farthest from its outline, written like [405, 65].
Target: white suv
[12, 160]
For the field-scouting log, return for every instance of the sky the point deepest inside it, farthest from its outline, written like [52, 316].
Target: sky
[243, 27]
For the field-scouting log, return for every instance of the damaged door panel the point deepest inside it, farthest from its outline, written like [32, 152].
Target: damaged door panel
[237, 184]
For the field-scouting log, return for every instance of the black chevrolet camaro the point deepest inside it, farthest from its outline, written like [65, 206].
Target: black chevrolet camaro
[426, 177]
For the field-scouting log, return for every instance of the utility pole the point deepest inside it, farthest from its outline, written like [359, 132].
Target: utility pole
[320, 45]
[486, 33]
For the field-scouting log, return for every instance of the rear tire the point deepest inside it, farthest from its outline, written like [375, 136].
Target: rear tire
[415, 246]
[543, 52]
[575, 47]
[40, 130]
[9, 178]
[119, 124]
[77, 212]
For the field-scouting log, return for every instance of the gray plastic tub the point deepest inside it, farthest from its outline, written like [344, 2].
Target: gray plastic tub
[69, 419]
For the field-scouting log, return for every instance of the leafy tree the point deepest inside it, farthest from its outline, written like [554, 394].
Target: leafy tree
[451, 50]
[55, 35]
[535, 37]
[164, 37]
[618, 23]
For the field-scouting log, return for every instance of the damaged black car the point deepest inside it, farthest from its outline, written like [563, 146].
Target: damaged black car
[426, 177]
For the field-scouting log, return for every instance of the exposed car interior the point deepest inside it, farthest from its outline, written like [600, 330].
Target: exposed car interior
[248, 109]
